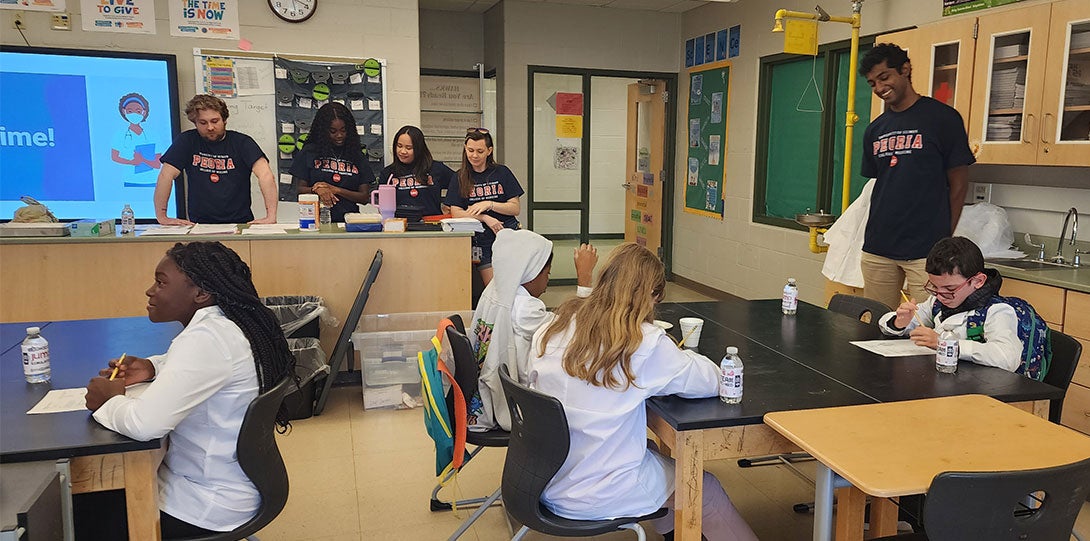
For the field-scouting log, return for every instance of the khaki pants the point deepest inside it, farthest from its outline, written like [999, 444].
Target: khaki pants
[883, 279]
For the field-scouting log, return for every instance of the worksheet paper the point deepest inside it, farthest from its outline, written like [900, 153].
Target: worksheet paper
[62, 400]
[165, 230]
[894, 348]
[268, 229]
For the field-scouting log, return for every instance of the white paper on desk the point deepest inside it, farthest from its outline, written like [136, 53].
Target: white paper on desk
[166, 230]
[268, 229]
[213, 229]
[894, 348]
[62, 400]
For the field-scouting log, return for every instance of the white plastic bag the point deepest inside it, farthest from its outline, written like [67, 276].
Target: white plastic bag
[987, 225]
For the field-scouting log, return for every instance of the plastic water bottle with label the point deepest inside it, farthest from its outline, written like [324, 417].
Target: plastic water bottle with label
[790, 302]
[325, 218]
[946, 355]
[128, 220]
[730, 377]
[35, 356]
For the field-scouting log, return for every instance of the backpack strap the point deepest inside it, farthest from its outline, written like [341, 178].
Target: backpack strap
[459, 398]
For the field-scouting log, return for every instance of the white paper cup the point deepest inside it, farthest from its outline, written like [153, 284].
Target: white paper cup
[690, 331]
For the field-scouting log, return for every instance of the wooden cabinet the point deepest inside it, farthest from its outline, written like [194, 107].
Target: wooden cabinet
[1048, 301]
[1076, 412]
[942, 62]
[1024, 109]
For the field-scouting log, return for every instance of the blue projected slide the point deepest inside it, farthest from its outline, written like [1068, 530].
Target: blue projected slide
[83, 134]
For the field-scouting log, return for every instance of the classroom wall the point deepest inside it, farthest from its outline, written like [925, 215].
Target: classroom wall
[549, 34]
[451, 40]
[753, 260]
[355, 28]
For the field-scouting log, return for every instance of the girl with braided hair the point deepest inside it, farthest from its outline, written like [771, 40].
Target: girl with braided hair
[231, 350]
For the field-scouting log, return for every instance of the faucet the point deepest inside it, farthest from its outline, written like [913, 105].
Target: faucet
[1073, 217]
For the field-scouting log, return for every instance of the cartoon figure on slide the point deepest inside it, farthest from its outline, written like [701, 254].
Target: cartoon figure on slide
[134, 146]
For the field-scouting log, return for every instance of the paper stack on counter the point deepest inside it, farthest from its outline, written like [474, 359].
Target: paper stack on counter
[213, 229]
[462, 224]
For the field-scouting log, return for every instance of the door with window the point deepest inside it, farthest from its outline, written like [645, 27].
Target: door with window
[583, 156]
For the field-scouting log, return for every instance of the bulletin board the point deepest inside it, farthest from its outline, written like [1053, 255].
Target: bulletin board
[709, 107]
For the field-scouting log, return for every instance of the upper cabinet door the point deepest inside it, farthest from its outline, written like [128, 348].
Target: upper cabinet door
[1065, 126]
[1005, 120]
[945, 71]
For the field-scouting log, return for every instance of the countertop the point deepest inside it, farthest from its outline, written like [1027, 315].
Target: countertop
[291, 235]
[1073, 279]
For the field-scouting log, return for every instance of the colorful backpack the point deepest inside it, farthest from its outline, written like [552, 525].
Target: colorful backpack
[1034, 333]
[449, 434]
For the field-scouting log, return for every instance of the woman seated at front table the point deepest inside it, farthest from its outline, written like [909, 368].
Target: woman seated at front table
[231, 350]
[602, 357]
[419, 178]
[332, 164]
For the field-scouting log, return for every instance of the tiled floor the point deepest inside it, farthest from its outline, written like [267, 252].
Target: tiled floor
[367, 475]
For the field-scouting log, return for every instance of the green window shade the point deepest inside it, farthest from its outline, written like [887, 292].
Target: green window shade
[792, 170]
[862, 109]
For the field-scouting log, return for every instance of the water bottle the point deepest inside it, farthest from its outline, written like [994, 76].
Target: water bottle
[325, 218]
[946, 355]
[128, 220]
[790, 302]
[35, 356]
[730, 377]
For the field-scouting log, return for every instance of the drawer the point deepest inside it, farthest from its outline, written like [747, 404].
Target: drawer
[1082, 371]
[1077, 316]
[1076, 412]
[1048, 301]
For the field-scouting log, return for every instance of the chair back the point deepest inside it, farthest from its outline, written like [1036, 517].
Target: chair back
[344, 340]
[537, 449]
[260, 460]
[861, 308]
[466, 370]
[1065, 359]
[992, 505]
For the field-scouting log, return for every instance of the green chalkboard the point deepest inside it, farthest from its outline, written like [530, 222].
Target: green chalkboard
[709, 99]
[794, 136]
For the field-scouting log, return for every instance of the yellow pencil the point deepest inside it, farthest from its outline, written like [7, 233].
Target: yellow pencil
[915, 315]
[686, 337]
[118, 365]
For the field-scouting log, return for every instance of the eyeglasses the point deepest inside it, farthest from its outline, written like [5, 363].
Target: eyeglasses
[945, 293]
[477, 130]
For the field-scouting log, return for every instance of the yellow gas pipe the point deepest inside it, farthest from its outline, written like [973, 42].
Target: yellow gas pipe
[850, 117]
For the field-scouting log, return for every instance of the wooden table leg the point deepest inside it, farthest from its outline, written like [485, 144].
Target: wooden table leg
[850, 505]
[883, 517]
[688, 484]
[142, 494]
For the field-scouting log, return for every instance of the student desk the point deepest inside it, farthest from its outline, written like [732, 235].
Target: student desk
[795, 363]
[101, 459]
[889, 459]
[84, 278]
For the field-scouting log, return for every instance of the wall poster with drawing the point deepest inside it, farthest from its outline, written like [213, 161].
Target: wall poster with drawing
[709, 100]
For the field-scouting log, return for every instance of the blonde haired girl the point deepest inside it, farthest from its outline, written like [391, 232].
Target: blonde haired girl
[602, 357]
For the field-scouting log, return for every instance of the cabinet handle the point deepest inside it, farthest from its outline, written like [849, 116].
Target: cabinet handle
[1025, 128]
[1044, 125]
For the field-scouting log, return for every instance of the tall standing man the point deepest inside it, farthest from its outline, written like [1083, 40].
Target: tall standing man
[217, 164]
[919, 152]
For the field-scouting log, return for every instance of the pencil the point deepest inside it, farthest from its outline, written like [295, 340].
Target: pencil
[118, 365]
[686, 337]
[915, 315]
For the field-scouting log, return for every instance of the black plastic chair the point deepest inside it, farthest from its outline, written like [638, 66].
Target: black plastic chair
[539, 446]
[993, 505]
[859, 307]
[466, 375]
[1065, 359]
[344, 341]
[260, 460]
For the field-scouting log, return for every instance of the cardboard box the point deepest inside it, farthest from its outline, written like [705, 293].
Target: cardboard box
[91, 228]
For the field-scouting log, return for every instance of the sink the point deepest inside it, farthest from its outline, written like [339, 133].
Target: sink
[1027, 264]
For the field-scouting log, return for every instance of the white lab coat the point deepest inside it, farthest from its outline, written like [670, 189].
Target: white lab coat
[609, 471]
[202, 387]
[845, 240]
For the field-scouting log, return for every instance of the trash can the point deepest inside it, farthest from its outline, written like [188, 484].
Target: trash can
[311, 368]
[297, 314]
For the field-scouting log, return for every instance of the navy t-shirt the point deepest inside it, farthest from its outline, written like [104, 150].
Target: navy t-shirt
[217, 175]
[416, 199]
[497, 184]
[909, 152]
[337, 169]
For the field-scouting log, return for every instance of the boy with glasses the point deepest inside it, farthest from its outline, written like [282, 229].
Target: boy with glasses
[964, 297]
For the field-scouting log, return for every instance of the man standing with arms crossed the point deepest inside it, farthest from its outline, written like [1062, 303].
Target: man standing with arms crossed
[919, 152]
[217, 164]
